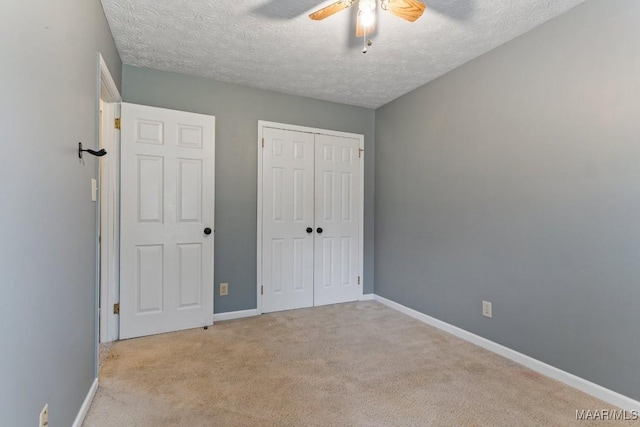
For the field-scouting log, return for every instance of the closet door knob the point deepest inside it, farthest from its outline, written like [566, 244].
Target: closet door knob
[207, 231]
[309, 230]
[319, 230]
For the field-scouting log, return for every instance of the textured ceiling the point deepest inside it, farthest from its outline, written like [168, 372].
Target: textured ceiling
[272, 44]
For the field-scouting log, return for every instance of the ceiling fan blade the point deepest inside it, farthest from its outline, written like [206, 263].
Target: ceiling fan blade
[410, 10]
[360, 30]
[330, 10]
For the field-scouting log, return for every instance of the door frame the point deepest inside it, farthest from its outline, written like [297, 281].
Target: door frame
[109, 196]
[266, 124]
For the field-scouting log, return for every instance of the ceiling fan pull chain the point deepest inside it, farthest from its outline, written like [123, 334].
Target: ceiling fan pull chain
[364, 40]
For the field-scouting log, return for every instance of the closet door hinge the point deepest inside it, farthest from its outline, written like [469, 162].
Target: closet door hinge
[262, 142]
[261, 290]
[360, 151]
[116, 308]
[358, 280]
[117, 123]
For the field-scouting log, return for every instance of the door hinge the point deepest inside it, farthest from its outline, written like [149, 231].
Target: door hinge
[358, 280]
[360, 151]
[261, 290]
[116, 308]
[117, 123]
[262, 142]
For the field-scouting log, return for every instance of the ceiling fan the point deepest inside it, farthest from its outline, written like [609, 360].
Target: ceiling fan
[409, 10]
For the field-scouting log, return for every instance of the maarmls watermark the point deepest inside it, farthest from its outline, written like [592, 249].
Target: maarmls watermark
[607, 415]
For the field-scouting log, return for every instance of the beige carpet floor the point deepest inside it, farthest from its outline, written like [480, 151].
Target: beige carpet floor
[356, 364]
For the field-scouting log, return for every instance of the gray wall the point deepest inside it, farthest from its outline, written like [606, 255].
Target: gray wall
[516, 179]
[47, 220]
[237, 110]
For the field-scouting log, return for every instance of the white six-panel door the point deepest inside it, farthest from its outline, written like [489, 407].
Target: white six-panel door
[337, 213]
[167, 220]
[287, 246]
[310, 219]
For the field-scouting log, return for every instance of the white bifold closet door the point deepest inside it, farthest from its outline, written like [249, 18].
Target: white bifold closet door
[337, 214]
[167, 217]
[287, 205]
[310, 219]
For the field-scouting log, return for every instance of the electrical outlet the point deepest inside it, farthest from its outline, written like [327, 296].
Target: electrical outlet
[44, 416]
[487, 309]
[224, 289]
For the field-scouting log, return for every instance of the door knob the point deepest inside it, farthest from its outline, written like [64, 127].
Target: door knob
[207, 231]
[309, 230]
[319, 230]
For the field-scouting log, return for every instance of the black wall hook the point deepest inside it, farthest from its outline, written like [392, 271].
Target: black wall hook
[100, 153]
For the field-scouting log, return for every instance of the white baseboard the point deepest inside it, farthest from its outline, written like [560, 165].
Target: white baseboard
[366, 297]
[84, 409]
[235, 315]
[574, 381]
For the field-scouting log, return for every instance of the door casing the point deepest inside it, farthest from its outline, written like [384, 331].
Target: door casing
[108, 196]
[266, 124]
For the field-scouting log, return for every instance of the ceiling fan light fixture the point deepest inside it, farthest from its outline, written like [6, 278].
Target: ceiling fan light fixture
[367, 12]
[409, 10]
